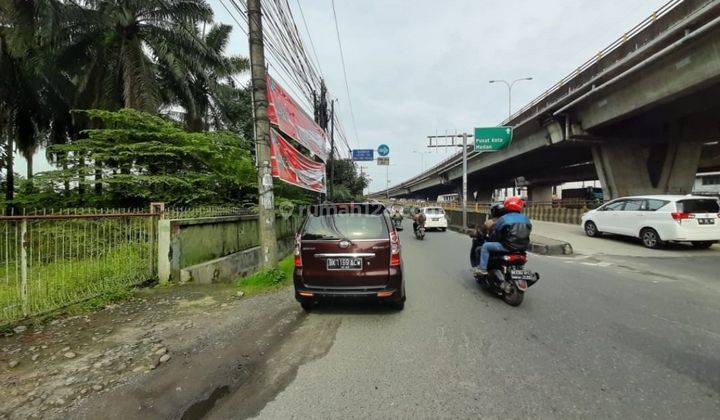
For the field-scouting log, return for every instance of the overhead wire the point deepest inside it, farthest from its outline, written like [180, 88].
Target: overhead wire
[342, 60]
[288, 57]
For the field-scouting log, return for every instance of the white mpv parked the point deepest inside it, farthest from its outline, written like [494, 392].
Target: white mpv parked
[658, 218]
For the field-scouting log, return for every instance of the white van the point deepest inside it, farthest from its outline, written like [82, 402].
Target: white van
[435, 218]
[658, 218]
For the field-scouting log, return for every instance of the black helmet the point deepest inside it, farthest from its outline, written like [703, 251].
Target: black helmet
[497, 210]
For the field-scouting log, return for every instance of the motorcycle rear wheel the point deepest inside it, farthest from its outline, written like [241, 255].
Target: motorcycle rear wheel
[515, 297]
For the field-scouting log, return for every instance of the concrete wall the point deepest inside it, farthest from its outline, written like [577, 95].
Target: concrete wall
[213, 248]
[538, 212]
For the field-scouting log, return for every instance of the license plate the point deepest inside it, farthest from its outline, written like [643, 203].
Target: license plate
[706, 221]
[523, 275]
[344, 263]
[435, 219]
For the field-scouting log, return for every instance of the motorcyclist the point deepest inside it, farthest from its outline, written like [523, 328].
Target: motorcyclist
[484, 231]
[396, 217]
[418, 219]
[511, 233]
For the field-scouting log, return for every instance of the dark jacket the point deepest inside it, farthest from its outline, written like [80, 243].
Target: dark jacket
[513, 231]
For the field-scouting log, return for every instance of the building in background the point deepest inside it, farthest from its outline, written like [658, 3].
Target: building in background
[707, 183]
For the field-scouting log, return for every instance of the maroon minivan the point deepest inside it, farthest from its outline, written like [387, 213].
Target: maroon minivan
[348, 251]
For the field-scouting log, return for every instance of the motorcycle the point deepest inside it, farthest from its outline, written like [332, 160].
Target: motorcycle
[420, 232]
[397, 223]
[507, 276]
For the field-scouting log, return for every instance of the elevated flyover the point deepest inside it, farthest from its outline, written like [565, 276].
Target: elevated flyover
[642, 116]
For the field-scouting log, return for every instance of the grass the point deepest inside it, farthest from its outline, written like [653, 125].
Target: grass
[267, 280]
[86, 282]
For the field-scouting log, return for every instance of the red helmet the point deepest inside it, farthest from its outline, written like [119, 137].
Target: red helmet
[513, 204]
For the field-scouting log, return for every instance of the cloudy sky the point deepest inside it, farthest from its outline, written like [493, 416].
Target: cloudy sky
[421, 67]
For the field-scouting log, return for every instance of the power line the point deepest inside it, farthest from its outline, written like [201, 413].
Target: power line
[312, 45]
[278, 61]
[287, 54]
[347, 86]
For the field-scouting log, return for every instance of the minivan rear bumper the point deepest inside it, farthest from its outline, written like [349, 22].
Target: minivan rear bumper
[392, 291]
[384, 294]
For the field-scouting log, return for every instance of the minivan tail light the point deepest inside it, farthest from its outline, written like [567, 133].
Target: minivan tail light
[394, 249]
[682, 215]
[298, 257]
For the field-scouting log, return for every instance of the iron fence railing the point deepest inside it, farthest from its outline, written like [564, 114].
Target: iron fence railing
[206, 211]
[50, 259]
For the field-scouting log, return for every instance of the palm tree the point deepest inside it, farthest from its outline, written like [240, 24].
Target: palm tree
[204, 88]
[126, 38]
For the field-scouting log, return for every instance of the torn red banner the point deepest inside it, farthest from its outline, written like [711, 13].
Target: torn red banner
[290, 119]
[293, 167]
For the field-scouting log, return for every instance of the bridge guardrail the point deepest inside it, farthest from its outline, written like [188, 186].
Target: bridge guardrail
[610, 53]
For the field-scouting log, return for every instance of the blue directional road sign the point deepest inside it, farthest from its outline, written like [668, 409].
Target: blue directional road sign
[363, 154]
[383, 150]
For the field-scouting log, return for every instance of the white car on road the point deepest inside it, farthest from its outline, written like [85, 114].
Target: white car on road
[658, 218]
[435, 218]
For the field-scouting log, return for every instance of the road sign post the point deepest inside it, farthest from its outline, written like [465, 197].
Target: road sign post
[492, 139]
[464, 146]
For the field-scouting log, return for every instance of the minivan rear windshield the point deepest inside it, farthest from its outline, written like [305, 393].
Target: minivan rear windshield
[434, 210]
[698, 206]
[345, 226]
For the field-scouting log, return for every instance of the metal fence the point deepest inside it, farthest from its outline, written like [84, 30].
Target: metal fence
[50, 259]
[206, 211]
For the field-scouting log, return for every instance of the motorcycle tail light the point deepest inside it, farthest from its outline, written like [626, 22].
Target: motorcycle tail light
[515, 258]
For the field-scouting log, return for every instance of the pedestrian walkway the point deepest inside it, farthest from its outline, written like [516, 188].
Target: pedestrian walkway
[612, 244]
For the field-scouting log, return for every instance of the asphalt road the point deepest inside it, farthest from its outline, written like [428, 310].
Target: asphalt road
[600, 337]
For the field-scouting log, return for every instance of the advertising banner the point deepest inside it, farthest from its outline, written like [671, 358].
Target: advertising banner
[287, 115]
[293, 167]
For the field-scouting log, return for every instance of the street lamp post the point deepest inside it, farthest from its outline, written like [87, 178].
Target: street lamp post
[510, 86]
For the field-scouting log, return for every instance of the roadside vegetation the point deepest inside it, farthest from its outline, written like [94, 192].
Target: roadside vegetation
[162, 117]
[131, 102]
[267, 280]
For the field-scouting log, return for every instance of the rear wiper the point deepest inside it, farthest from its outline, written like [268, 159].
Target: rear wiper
[318, 236]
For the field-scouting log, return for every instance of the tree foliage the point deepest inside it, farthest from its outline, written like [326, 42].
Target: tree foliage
[130, 62]
[146, 158]
[348, 185]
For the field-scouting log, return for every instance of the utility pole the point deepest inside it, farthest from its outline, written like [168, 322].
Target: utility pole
[266, 205]
[434, 141]
[332, 144]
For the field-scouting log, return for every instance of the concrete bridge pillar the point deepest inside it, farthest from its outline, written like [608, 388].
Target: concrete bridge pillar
[540, 193]
[484, 194]
[636, 169]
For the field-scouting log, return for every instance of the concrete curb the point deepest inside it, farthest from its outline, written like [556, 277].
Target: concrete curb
[539, 244]
[547, 246]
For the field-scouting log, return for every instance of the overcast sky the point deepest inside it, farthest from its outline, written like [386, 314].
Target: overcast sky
[422, 67]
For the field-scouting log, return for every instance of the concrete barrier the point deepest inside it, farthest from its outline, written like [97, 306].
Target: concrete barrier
[214, 249]
[539, 244]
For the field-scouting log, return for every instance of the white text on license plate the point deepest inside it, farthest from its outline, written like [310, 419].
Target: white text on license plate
[344, 263]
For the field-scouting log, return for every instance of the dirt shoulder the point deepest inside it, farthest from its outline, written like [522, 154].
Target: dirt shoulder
[166, 353]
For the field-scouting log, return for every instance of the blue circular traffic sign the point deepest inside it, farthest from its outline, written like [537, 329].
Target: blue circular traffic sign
[383, 150]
